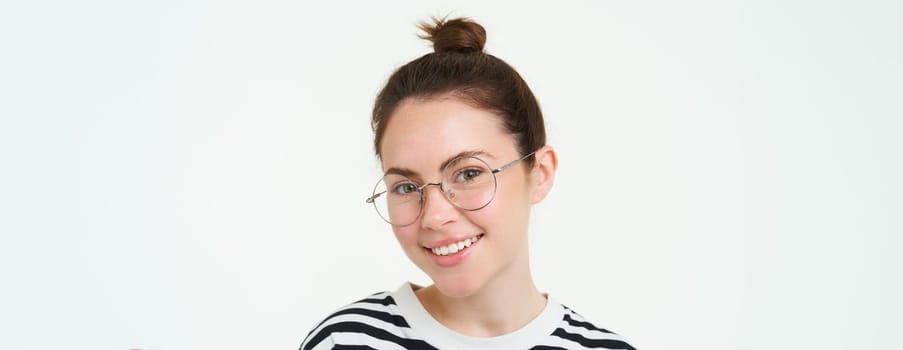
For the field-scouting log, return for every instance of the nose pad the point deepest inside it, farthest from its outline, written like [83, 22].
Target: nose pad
[438, 209]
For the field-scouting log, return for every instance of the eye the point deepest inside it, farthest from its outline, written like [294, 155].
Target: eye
[405, 188]
[468, 175]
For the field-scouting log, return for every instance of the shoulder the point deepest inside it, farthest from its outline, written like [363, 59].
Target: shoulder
[574, 330]
[372, 322]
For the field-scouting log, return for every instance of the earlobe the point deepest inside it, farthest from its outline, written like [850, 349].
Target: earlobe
[544, 167]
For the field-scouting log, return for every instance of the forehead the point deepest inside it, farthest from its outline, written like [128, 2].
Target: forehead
[422, 134]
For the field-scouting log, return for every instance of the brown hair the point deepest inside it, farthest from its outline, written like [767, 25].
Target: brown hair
[458, 67]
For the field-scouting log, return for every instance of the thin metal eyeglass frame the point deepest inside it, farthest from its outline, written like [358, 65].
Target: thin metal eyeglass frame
[372, 199]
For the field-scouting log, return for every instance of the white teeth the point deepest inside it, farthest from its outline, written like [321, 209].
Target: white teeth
[455, 247]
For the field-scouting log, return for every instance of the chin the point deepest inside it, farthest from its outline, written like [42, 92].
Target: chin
[457, 286]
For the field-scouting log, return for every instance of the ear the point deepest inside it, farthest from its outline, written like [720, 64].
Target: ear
[543, 174]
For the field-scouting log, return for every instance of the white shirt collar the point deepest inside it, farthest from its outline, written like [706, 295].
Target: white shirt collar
[425, 326]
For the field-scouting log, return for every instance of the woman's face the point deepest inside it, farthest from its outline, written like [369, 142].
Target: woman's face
[420, 137]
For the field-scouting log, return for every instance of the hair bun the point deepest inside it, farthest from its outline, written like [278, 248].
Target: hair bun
[454, 35]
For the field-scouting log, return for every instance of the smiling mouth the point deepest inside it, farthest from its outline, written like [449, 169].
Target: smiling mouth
[455, 247]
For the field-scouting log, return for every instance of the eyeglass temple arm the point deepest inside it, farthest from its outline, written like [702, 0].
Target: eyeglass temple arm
[506, 166]
[374, 197]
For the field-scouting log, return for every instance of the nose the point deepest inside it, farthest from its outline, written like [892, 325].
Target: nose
[437, 210]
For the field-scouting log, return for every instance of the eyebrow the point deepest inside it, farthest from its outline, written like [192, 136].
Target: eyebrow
[411, 173]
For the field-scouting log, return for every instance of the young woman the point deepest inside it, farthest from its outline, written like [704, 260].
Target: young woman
[462, 144]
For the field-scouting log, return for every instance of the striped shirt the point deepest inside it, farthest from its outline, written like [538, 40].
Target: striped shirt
[397, 320]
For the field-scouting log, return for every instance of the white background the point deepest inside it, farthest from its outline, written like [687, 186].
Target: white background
[191, 175]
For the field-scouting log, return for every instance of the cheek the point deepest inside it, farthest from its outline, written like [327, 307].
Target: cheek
[515, 194]
[406, 235]
[508, 211]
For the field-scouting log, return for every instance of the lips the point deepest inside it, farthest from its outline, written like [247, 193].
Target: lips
[453, 253]
[455, 247]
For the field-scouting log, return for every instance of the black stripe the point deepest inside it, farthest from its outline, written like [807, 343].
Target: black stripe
[546, 347]
[384, 301]
[357, 327]
[351, 347]
[380, 315]
[570, 310]
[592, 343]
[586, 325]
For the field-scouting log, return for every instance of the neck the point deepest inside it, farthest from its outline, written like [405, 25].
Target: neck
[505, 304]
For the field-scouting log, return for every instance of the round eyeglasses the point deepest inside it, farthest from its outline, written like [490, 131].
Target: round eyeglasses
[467, 182]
